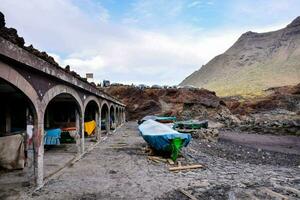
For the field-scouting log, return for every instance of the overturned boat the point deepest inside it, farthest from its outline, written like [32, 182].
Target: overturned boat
[163, 138]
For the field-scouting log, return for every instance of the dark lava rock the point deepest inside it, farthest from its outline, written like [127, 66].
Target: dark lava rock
[295, 22]
[234, 152]
[2, 20]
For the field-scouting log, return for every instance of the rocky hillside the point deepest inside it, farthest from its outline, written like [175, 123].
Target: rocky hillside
[257, 61]
[182, 103]
[278, 112]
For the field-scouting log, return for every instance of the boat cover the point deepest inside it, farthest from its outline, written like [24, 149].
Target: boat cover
[89, 127]
[52, 136]
[159, 136]
[12, 152]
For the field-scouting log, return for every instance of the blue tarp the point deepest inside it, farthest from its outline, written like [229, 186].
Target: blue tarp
[52, 136]
[159, 135]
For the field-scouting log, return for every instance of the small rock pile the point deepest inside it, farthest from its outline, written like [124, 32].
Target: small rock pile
[208, 135]
[278, 122]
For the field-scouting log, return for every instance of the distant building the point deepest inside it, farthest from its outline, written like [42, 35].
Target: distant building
[156, 87]
[106, 83]
[116, 84]
[142, 86]
[89, 77]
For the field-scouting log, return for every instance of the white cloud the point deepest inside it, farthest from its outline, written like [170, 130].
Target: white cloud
[118, 52]
[194, 4]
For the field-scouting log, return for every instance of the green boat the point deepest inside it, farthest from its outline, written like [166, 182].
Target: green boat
[191, 124]
[166, 119]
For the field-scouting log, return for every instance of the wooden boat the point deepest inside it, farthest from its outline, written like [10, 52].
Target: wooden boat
[68, 134]
[170, 119]
[158, 119]
[163, 138]
[191, 124]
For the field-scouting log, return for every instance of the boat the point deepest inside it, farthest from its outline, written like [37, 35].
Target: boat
[191, 124]
[158, 119]
[163, 138]
[153, 117]
[68, 134]
[170, 119]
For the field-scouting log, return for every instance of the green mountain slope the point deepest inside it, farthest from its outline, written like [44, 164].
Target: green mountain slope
[257, 61]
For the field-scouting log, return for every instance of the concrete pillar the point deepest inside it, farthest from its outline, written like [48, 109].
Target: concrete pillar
[98, 126]
[108, 121]
[120, 120]
[115, 118]
[8, 119]
[82, 134]
[123, 116]
[31, 130]
[38, 144]
[77, 137]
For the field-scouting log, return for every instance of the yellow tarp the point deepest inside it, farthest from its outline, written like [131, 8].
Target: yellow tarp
[89, 127]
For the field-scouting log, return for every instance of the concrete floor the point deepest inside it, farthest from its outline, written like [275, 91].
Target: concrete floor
[14, 184]
[57, 157]
[118, 168]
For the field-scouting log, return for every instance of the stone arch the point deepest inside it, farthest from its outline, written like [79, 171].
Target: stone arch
[51, 95]
[14, 78]
[61, 89]
[112, 112]
[95, 113]
[116, 116]
[104, 115]
[91, 98]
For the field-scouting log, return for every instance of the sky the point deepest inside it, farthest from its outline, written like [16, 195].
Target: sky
[141, 41]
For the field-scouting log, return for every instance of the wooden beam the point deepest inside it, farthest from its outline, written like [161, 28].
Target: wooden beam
[287, 188]
[186, 193]
[185, 167]
[274, 194]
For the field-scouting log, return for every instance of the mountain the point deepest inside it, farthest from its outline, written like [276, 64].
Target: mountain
[255, 62]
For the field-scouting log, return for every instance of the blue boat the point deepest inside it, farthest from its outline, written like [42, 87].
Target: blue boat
[163, 138]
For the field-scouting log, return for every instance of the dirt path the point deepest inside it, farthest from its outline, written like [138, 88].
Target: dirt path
[118, 168]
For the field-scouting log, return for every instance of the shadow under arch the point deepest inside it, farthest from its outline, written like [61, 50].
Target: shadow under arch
[92, 113]
[20, 107]
[105, 117]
